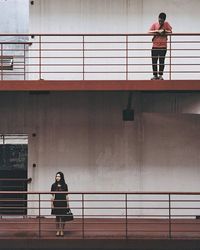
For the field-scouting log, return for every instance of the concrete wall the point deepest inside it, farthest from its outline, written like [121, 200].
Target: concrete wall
[14, 16]
[112, 16]
[14, 19]
[83, 135]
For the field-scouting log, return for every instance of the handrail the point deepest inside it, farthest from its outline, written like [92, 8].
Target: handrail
[15, 179]
[96, 34]
[103, 56]
[109, 192]
[106, 192]
[105, 214]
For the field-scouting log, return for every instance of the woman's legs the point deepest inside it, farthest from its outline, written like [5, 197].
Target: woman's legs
[57, 226]
[60, 224]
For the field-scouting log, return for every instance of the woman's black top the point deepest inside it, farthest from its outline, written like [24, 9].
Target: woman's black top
[59, 202]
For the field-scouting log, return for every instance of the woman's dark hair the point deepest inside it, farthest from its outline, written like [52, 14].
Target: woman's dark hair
[162, 15]
[62, 179]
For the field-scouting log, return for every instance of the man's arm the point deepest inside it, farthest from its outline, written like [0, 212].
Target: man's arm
[153, 30]
[167, 29]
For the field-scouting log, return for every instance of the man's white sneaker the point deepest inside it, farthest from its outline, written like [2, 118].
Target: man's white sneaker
[160, 78]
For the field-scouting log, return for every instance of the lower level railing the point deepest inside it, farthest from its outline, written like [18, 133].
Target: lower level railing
[103, 215]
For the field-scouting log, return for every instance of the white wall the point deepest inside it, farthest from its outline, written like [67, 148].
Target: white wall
[14, 16]
[14, 19]
[112, 16]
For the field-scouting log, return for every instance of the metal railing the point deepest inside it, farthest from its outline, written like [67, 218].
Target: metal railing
[125, 215]
[97, 56]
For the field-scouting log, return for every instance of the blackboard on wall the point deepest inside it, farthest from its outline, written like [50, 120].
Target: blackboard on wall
[13, 157]
[13, 174]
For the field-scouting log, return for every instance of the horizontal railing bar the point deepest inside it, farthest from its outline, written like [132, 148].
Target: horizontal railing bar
[109, 193]
[14, 179]
[102, 49]
[94, 34]
[106, 57]
[99, 72]
[18, 43]
[95, 65]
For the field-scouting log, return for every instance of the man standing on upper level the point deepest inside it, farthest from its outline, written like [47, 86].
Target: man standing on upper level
[160, 30]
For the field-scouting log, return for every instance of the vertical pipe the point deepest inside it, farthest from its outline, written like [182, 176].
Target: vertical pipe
[3, 137]
[170, 226]
[83, 226]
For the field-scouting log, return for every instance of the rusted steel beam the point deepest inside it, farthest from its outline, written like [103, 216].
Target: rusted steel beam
[100, 85]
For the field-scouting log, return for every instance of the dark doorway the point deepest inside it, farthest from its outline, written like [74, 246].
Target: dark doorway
[13, 174]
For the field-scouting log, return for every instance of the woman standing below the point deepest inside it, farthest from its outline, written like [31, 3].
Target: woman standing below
[59, 202]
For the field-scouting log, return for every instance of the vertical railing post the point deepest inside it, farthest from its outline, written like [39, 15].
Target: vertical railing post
[170, 57]
[24, 61]
[83, 57]
[126, 57]
[170, 228]
[39, 216]
[126, 214]
[83, 211]
[40, 57]
[1, 61]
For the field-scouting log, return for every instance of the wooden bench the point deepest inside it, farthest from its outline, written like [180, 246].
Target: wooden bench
[6, 62]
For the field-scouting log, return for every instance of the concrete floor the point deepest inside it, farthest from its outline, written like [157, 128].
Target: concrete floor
[107, 234]
[44, 228]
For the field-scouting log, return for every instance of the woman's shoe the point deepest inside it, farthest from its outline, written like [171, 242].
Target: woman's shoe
[57, 233]
[61, 233]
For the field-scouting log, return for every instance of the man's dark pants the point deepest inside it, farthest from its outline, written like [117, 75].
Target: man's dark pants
[158, 53]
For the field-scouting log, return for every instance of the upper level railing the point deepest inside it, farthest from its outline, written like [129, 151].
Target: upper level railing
[95, 56]
[125, 215]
